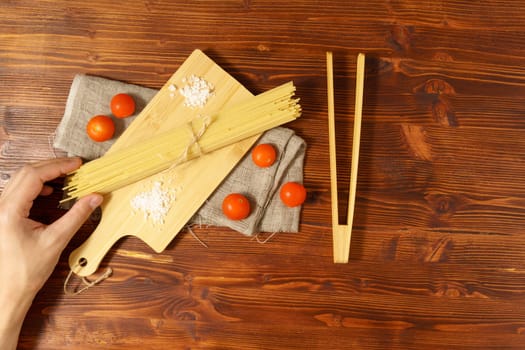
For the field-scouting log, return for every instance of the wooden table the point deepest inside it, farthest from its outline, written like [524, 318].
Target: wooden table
[438, 248]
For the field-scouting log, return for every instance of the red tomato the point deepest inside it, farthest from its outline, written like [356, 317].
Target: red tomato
[293, 194]
[264, 155]
[100, 128]
[122, 105]
[235, 206]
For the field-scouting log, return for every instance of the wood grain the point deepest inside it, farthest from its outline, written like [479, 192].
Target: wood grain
[438, 243]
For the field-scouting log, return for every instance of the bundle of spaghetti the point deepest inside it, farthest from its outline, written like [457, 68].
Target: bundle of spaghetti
[202, 135]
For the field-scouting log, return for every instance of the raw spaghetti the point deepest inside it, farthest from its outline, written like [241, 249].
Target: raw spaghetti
[202, 135]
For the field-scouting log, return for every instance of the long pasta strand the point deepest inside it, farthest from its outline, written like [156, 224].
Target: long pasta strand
[202, 135]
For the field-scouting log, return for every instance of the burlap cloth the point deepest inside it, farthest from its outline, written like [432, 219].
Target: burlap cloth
[260, 185]
[90, 96]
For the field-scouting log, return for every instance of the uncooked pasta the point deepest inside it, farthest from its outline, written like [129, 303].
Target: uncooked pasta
[202, 135]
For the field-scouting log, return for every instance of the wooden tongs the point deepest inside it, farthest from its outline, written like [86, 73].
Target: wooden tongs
[342, 233]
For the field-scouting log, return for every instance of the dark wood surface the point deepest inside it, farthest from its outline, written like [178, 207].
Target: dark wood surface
[438, 250]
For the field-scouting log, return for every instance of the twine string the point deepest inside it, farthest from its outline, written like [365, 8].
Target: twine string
[265, 240]
[194, 140]
[194, 235]
[87, 283]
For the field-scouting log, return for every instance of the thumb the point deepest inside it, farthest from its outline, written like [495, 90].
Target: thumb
[65, 228]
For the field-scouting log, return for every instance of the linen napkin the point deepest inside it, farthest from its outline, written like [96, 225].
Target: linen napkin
[90, 96]
[261, 187]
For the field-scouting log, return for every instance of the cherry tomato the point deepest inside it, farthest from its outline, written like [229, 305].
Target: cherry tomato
[122, 105]
[264, 155]
[100, 128]
[293, 194]
[235, 206]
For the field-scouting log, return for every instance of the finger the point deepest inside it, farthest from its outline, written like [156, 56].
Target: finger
[45, 170]
[52, 168]
[28, 182]
[55, 160]
[64, 228]
[46, 190]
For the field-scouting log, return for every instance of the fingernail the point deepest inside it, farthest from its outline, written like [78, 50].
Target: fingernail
[95, 201]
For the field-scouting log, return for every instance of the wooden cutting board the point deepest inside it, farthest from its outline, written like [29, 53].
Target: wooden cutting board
[191, 183]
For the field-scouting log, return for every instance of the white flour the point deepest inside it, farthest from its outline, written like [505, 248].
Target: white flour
[154, 204]
[196, 92]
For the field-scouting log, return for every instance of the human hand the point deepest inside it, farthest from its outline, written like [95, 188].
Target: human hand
[29, 250]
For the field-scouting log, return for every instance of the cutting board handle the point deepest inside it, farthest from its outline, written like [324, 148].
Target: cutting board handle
[85, 260]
